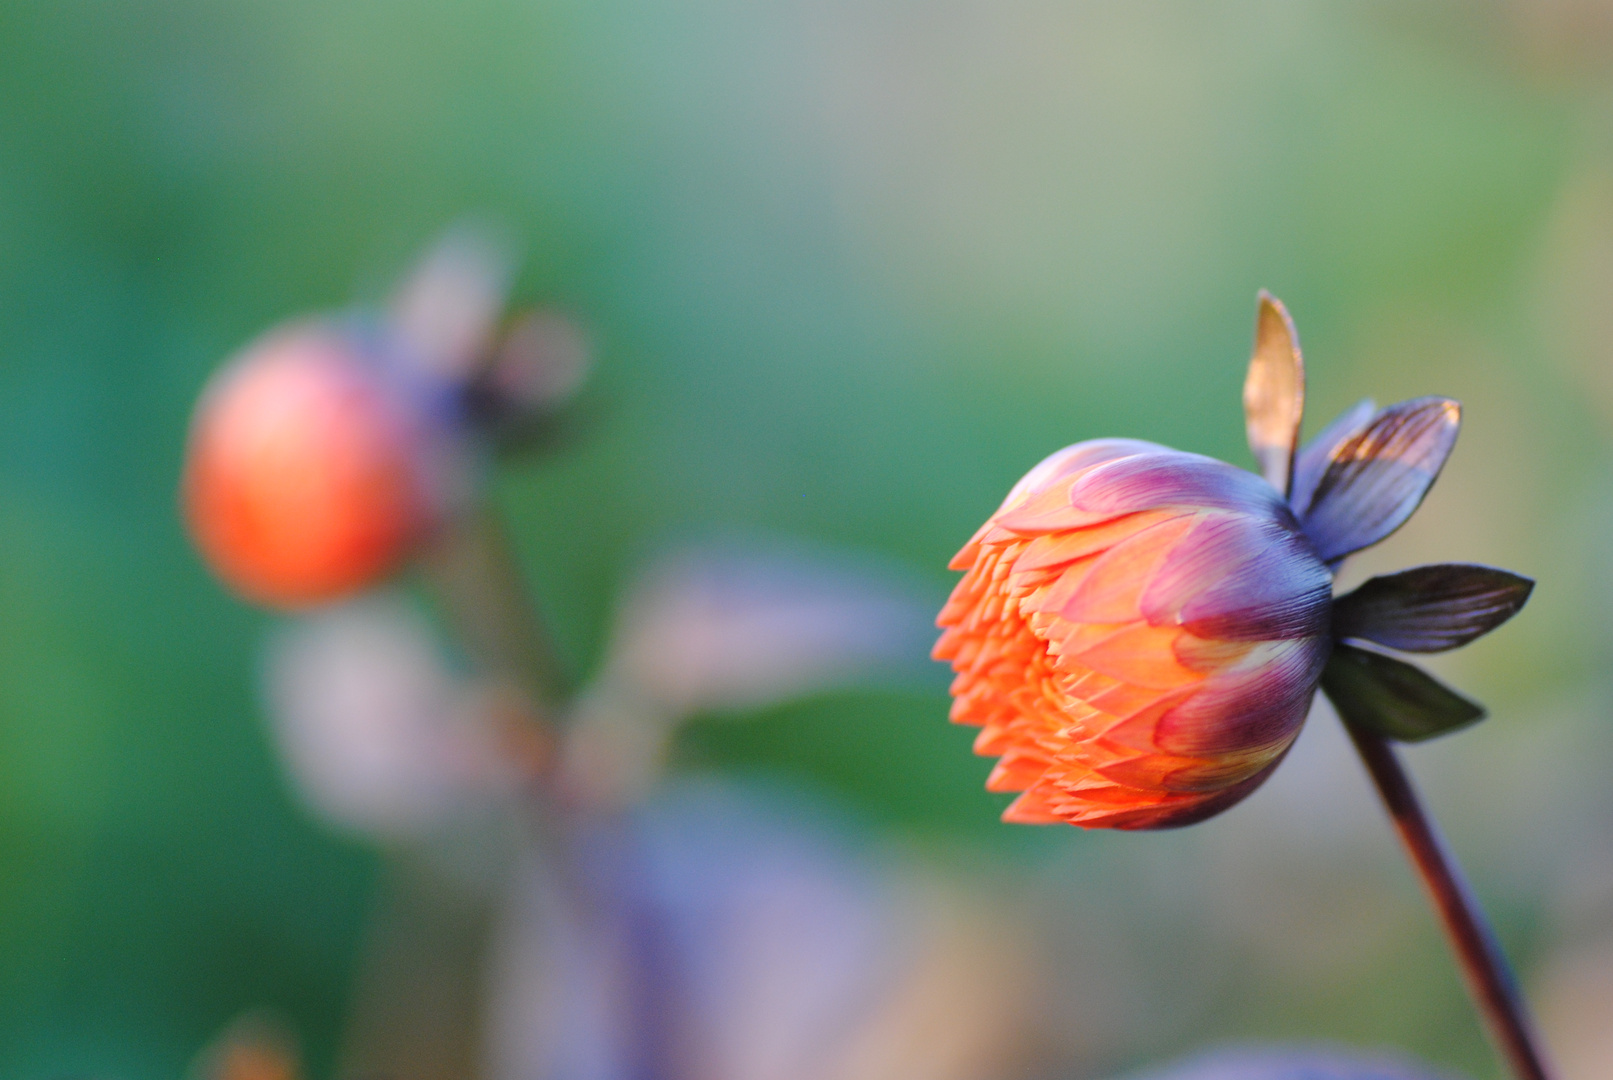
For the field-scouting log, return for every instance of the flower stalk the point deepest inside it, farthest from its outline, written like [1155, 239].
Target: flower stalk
[1484, 967]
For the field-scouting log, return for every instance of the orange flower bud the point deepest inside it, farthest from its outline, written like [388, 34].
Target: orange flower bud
[1139, 634]
[1140, 631]
[304, 475]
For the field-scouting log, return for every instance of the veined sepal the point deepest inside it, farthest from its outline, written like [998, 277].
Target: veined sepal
[1395, 699]
[1431, 608]
[1314, 457]
[1376, 476]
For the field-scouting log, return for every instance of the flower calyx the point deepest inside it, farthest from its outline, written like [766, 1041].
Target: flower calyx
[1351, 486]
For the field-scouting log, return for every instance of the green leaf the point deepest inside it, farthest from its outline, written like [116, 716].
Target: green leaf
[1393, 698]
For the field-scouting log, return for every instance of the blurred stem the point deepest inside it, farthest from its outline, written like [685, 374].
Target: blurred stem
[1489, 979]
[418, 1005]
[473, 571]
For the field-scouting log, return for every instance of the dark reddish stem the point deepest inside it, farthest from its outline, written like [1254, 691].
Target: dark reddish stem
[1489, 979]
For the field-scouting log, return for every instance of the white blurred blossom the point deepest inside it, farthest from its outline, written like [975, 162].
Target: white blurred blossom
[378, 734]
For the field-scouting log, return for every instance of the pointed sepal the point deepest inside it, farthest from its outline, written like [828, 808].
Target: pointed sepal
[1377, 477]
[1274, 392]
[1431, 608]
[1315, 456]
[1393, 698]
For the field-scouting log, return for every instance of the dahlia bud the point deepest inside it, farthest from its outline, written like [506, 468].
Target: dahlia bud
[1139, 631]
[306, 475]
[1139, 635]
[321, 458]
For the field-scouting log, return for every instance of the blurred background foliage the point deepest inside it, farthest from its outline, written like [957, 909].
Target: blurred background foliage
[850, 269]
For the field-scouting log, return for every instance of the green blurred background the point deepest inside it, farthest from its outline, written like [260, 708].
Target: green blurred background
[851, 268]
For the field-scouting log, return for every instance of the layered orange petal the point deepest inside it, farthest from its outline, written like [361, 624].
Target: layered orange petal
[1137, 634]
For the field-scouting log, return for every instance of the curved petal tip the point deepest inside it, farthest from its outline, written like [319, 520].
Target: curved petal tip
[1274, 392]
[1376, 478]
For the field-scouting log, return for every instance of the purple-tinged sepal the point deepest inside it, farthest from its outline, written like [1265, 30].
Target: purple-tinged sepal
[1377, 477]
[1431, 608]
[1378, 693]
[1315, 456]
[1274, 392]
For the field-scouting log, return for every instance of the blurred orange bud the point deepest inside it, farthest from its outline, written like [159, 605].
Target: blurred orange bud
[305, 476]
[254, 1047]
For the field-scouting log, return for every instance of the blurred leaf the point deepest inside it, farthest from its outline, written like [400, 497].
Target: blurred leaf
[746, 625]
